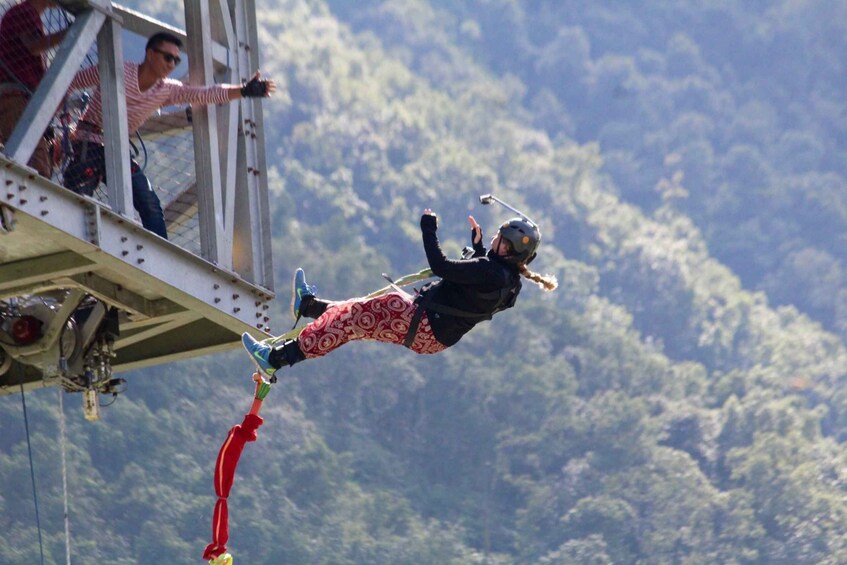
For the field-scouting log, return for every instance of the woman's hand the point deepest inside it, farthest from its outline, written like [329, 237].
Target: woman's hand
[429, 220]
[476, 231]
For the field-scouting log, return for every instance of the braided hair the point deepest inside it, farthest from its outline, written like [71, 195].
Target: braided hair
[547, 282]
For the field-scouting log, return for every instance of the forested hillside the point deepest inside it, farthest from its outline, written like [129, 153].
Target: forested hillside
[679, 399]
[733, 114]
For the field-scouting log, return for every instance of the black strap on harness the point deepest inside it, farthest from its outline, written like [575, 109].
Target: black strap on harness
[416, 321]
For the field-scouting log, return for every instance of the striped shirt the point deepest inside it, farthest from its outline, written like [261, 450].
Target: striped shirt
[141, 105]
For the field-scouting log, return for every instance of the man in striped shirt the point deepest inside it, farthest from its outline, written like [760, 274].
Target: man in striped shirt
[148, 88]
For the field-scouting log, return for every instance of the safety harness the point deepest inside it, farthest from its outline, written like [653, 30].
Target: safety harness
[505, 299]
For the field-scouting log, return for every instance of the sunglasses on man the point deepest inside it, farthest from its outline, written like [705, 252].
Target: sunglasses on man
[169, 57]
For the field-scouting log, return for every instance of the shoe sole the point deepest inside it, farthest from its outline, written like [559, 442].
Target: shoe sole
[258, 366]
[294, 296]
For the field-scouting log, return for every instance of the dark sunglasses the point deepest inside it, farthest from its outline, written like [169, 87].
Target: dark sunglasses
[168, 56]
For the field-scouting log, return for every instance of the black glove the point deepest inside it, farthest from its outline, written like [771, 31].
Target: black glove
[256, 88]
[429, 222]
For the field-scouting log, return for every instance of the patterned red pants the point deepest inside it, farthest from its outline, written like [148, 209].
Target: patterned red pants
[385, 318]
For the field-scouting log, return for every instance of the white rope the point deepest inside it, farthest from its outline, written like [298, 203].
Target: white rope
[64, 476]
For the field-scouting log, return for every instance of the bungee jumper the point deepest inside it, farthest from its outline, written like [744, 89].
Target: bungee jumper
[469, 290]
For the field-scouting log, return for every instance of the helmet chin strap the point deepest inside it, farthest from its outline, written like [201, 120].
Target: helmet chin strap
[499, 246]
[499, 241]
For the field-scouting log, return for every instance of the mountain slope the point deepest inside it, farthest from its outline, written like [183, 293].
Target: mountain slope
[650, 410]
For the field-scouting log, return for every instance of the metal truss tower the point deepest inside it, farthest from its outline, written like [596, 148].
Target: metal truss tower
[96, 291]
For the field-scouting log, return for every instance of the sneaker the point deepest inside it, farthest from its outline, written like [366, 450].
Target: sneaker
[259, 352]
[299, 291]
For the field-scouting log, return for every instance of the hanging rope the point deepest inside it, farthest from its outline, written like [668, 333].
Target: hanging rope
[32, 474]
[64, 476]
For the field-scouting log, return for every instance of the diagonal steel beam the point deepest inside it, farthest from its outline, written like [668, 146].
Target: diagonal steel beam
[172, 323]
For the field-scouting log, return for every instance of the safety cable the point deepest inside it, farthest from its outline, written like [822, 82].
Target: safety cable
[62, 440]
[137, 152]
[32, 475]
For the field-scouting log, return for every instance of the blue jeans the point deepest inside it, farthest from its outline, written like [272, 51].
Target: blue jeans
[88, 168]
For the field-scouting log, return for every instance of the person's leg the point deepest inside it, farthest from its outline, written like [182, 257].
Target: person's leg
[313, 307]
[147, 202]
[42, 158]
[384, 318]
[12, 105]
[288, 353]
[9, 114]
[86, 170]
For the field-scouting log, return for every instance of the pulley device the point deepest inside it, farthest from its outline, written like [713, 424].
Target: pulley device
[65, 334]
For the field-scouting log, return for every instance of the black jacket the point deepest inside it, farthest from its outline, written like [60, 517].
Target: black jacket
[470, 290]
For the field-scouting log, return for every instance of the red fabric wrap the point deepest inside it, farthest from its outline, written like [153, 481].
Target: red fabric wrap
[224, 476]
